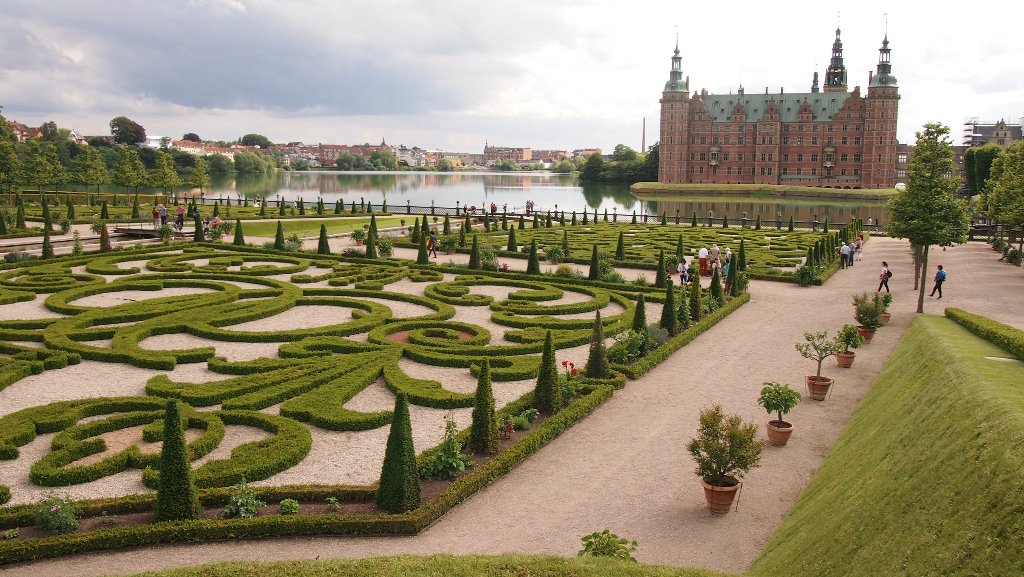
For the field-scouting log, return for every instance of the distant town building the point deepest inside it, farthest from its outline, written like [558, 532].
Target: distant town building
[904, 152]
[23, 133]
[495, 154]
[585, 152]
[977, 133]
[826, 137]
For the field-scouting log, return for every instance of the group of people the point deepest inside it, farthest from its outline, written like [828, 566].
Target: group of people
[709, 260]
[849, 252]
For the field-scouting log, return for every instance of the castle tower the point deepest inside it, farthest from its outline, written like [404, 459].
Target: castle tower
[835, 74]
[675, 123]
[881, 111]
[814, 84]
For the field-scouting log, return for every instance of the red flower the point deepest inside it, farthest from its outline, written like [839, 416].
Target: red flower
[574, 371]
[572, 366]
[565, 363]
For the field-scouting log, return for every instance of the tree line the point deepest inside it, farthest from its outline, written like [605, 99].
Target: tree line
[996, 175]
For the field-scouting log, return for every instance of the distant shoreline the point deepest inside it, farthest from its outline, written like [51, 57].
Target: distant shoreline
[786, 191]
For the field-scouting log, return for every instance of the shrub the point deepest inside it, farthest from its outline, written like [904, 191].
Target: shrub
[399, 483]
[778, 398]
[545, 394]
[630, 346]
[554, 255]
[243, 503]
[484, 437]
[57, 514]
[532, 262]
[5, 494]
[868, 309]
[176, 496]
[288, 507]
[607, 544]
[597, 361]
[567, 271]
[449, 460]
[848, 338]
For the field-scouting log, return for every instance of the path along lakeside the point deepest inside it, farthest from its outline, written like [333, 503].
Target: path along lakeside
[625, 467]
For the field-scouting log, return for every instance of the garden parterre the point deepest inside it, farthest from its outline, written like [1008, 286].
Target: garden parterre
[94, 345]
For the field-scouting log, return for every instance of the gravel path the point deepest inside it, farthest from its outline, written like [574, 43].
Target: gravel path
[608, 472]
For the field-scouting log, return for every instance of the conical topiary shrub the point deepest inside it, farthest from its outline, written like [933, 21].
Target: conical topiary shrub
[422, 255]
[322, 246]
[730, 280]
[546, 393]
[668, 320]
[483, 438]
[446, 228]
[679, 248]
[176, 496]
[565, 244]
[199, 235]
[573, 221]
[414, 235]
[104, 214]
[620, 247]
[239, 235]
[683, 308]
[597, 361]
[399, 489]
[595, 265]
[533, 261]
[522, 223]
[105, 245]
[695, 304]
[474, 255]
[693, 221]
[371, 241]
[47, 244]
[716, 288]
[640, 315]
[278, 236]
[741, 257]
[790, 229]
[512, 245]
[659, 275]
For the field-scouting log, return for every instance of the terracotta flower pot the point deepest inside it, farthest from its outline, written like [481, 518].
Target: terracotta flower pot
[818, 387]
[720, 499]
[845, 360]
[885, 317]
[779, 432]
[866, 332]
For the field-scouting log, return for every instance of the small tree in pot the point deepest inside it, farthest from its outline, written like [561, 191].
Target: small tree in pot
[847, 338]
[885, 317]
[867, 311]
[779, 399]
[817, 347]
[724, 449]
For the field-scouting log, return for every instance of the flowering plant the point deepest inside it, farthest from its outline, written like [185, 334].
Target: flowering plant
[570, 369]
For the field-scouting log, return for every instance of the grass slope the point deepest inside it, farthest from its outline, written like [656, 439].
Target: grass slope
[926, 478]
[446, 565]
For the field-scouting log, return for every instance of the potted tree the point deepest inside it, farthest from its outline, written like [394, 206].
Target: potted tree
[847, 338]
[779, 399]
[817, 347]
[867, 310]
[449, 243]
[724, 449]
[359, 235]
[886, 301]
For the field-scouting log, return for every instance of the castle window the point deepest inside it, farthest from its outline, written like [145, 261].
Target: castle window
[800, 157]
[739, 156]
[700, 169]
[846, 140]
[785, 157]
[828, 157]
[830, 140]
[829, 128]
[814, 140]
[728, 170]
[856, 172]
[844, 157]
[693, 156]
[814, 172]
[725, 157]
[725, 140]
[856, 157]
[764, 157]
[770, 155]
[741, 140]
[785, 140]
[785, 171]
[814, 157]
[799, 140]
[828, 171]
[703, 156]
[842, 172]
[762, 171]
[856, 140]
[769, 171]
[703, 139]
[799, 171]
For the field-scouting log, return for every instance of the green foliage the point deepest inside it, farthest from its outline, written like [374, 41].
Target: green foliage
[716, 288]
[868, 309]
[533, 261]
[5, 494]
[669, 311]
[512, 246]
[849, 338]
[278, 236]
[695, 300]
[659, 278]
[640, 315]
[399, 482]
[243, 503]
[288, 507]
[176, 496]
[474, 255]
[595, 265]
[422, 255]
[818, 347]
[545, 394]
[1009, 338]
[449, 460]
[778, 398]
[607, 544]
[484, 436]
[58, 515]
[725, 448]
[239, 239]
[597, 359]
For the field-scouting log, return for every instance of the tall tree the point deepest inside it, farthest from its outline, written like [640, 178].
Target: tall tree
[399, 488]
[927, 213]
[129, 171]
[191, 137]
[1006, 199]
[40, 168]
[176, 495]
[592, 169]
[256, 140]
[164, 177]
[201, 176]
[10, 165]
[127, 131]
[90, 170]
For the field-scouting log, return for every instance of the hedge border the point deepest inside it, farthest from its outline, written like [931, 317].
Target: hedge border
[1002, 335]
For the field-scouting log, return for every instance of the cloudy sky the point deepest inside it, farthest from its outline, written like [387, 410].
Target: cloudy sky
[453, 74]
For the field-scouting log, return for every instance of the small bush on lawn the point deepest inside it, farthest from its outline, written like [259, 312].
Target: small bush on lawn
[288, 507]
[57, 514]
[243, 503]
[607, 544]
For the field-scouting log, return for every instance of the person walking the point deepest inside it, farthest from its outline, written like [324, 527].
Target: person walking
[163, 215]
[853, 251]
[859, 252]
[702, 258]
[940, 277]
[156, 217]
[432, 244]
[844, 256]
[884, 277]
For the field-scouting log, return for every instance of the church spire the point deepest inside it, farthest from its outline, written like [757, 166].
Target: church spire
[814, 83]
[835, 74]
[675, 76]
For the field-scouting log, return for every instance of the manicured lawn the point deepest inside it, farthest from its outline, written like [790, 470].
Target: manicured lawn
[306, 228]
[440, 565]
[926, 477]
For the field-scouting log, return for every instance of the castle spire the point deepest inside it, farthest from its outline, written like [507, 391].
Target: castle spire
[814, 83]
[675, 76]
[883, 72]
[835, 74]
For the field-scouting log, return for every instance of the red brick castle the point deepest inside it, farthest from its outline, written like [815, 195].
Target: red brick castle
[830, 137]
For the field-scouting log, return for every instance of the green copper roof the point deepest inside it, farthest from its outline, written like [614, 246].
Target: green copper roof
[824, 105]
[883, 80]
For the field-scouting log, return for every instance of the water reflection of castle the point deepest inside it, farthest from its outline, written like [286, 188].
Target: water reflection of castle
[769, 210]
